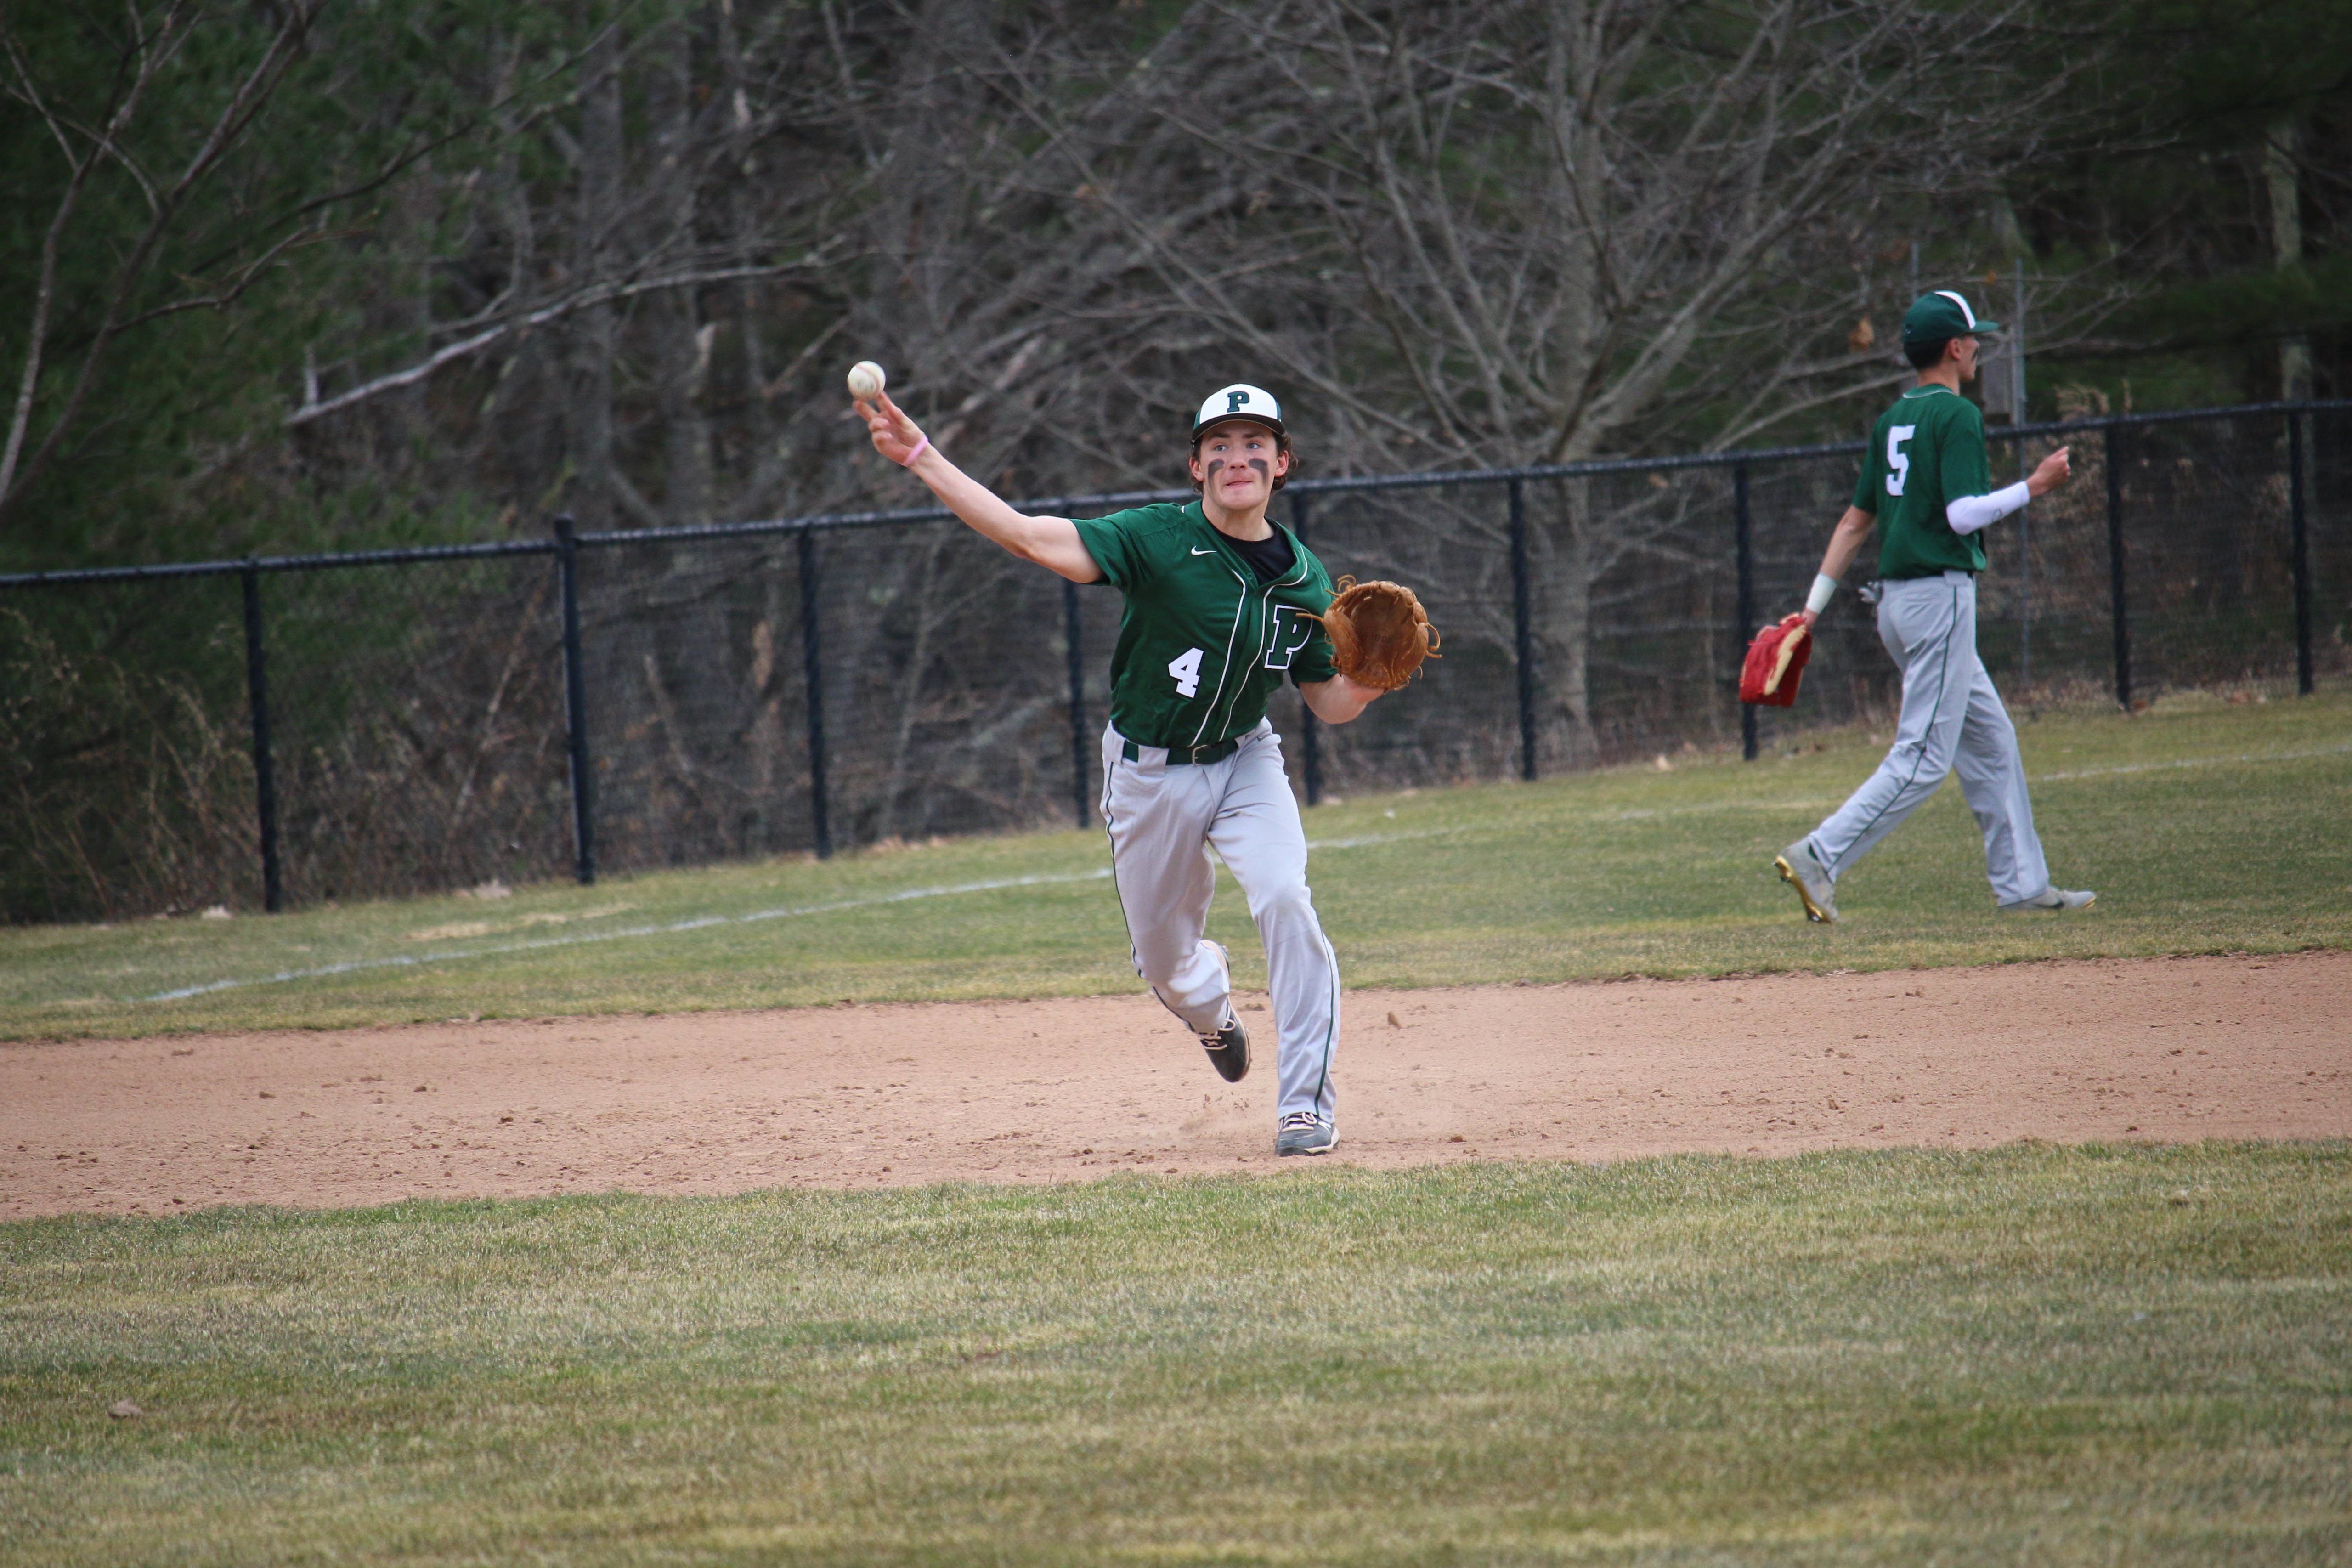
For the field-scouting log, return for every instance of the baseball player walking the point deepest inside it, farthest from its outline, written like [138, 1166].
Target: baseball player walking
[1220, 607]
[1924, 485]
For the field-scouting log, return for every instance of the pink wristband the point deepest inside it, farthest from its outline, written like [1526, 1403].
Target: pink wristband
[914, 456]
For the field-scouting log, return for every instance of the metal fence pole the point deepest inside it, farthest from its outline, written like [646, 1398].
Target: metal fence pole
[2116, 569]
[1310, 750]
[1073, 628]
[813, 673]
[575, 705]
[1523, 630]
[2025, 517]
[1744, 551]
[265, 778]
[2024, 573]
[2301, 547]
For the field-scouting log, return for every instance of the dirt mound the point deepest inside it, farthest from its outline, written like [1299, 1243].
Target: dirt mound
[1055, 1090]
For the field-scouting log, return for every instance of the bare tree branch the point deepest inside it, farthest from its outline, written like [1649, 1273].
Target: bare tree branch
[245, 102]
[146, 62]
[599, 294]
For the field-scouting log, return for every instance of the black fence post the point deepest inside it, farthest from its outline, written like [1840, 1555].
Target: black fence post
[265, 777]
[2302, 546]
[812, 672]
[1523, 630]
[1310, 750]
[1073, 628]
[1744, 552]
[2116, 569]
[2024, 573]
[575, 705]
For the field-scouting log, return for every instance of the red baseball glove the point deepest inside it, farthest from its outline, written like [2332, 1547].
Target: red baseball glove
[1776, 662]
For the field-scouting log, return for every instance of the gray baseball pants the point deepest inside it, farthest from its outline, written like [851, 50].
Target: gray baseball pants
[1952, 721]
[1163, 821]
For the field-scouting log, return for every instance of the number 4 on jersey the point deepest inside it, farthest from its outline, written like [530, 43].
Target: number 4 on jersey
[1186, 668]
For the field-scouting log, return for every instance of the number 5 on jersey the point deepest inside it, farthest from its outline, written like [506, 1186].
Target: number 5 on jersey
[1898, 466]
[1186, 668]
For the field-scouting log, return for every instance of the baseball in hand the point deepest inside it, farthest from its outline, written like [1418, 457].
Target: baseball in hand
[867, 380]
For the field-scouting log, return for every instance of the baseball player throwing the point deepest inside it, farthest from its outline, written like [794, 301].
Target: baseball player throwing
[1924, 485]
[1221, 605]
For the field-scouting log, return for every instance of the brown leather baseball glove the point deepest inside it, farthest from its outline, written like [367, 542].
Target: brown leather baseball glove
[1379, 631]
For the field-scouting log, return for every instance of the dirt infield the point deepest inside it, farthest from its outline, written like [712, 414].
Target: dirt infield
[1055, 1090]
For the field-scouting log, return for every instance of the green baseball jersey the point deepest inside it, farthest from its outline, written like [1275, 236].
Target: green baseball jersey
[1926, 452]
[1203, 641]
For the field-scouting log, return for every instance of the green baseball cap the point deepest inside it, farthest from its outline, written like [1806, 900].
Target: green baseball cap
[1933, 317]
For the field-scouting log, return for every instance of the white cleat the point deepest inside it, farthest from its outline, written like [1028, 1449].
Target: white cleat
[2052, 899]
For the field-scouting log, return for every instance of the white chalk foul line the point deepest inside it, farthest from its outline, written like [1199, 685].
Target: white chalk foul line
[412, 959]
[2194, 762]
[699, 923]
[1639, 814]
[1383, 838]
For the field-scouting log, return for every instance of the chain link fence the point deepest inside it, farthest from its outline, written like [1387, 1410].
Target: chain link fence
[308, 728]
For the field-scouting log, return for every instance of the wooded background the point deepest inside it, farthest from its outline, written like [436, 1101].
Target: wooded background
[329, 274]
[341, 272]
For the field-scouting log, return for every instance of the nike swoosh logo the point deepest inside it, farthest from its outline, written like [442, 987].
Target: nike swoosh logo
[1198, 550]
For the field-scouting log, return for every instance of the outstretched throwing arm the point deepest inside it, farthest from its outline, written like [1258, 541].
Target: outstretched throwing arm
[1052, 542]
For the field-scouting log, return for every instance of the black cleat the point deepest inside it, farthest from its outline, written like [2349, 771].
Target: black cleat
[1228, 1050]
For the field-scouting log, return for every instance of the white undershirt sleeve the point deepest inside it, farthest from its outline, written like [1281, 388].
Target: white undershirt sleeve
[1972, 512]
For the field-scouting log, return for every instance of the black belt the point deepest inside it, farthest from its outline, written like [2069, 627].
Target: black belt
[1181, 756]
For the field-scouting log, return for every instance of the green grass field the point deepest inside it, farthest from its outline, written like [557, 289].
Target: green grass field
[2029, 1355]
[2204, 827]
[2034, 1354]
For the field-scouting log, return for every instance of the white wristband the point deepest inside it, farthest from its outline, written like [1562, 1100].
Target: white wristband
[1824, 590]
